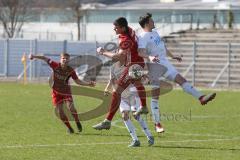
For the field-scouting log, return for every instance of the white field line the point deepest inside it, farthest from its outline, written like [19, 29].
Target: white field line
[114, 123]
[104, 143]
[201, 135]
[213, 116]
[202, 140]
[177, 87]
[59, 145]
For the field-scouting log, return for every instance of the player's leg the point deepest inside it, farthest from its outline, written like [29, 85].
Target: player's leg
[142, 123]
[60, 110]
[145, 129]
[125, 109]
[116, 96]
[188, 88]
[142, 95]
[123, 83]
[74, 113]
[58, 102]
[135, 102]
[155, 71]
[173, 75]
[155, 109]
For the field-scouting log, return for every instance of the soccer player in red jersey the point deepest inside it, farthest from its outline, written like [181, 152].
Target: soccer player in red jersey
[127, 48]
[61, 90]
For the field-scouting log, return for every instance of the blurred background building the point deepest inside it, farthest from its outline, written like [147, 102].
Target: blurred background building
[55, 19]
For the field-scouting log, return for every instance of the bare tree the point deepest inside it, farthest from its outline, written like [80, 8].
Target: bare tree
[78, 12]
[13, 14]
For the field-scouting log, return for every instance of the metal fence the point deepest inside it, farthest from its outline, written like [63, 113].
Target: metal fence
[207, 64]
[11, 52]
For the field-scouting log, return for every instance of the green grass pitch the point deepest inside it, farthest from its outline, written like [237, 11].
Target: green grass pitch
[29, 129]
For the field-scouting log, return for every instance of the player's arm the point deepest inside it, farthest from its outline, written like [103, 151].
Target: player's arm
[81, 82]
[169, 53]
[113, 56]
[51, 63]
[84, 83]
[41, 57]
[108, 86]
[142, 52]
[111, 81]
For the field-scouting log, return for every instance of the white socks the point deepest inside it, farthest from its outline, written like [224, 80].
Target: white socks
[144, 127]
[191, 90]
[155, 111]
[131, 129]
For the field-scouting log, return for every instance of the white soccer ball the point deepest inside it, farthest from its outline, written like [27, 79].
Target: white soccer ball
[135, 71]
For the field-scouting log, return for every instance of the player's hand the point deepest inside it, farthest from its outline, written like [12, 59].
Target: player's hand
[30, 56]
[178, 58]
[154, 59]
[106, 93]
[145, 79]
[100, 50]
[92, 84]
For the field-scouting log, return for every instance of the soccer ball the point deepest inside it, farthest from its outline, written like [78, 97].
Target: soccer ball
[135, 71]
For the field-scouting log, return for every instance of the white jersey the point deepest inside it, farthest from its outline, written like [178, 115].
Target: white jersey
[153, 43]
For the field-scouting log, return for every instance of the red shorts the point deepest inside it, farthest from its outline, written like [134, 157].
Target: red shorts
[58, 98]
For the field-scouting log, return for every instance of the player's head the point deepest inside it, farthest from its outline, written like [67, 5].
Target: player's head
[64, 58]
[146, 21]
[120, 25]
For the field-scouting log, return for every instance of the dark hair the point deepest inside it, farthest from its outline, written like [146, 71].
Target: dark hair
[121, 21]
[143, 20]
[64, 54]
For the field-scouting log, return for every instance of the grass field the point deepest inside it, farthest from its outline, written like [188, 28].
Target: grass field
[30, 130]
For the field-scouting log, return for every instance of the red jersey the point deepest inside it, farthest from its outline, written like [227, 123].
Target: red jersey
[61, 77]
[129, 42]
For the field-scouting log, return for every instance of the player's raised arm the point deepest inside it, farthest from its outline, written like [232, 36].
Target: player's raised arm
[114, 56]
[178, 58]
[107, 88]
[41, 57]
[142, 52]
[85, 83]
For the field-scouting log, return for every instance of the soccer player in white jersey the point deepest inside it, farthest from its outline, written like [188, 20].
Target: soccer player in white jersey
[151, 45]
[127, 104]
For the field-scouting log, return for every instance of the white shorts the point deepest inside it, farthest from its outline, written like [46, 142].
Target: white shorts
[164, 68]
[127, 104]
